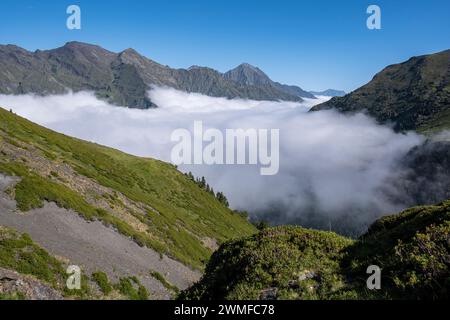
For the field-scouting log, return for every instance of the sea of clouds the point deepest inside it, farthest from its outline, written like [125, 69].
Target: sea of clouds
[333, 172]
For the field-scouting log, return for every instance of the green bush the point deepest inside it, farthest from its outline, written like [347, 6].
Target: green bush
[102, 281]
[158, 276]
[127, 287]
[411, 248]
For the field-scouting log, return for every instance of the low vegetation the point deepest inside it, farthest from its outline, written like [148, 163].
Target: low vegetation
[101, 279]
[158, 276]
[19, 253]
[413, 251]
[132, 289]
[281, 262]
[411, 248]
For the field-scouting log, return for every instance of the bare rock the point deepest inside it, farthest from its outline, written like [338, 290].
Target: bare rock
[12, 283]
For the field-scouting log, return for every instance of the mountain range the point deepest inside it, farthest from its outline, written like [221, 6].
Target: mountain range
[329, 93]
[124, 78]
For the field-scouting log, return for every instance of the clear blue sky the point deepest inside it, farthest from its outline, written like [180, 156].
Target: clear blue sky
[314, 44]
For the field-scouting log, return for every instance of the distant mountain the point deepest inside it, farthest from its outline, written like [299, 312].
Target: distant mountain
[329, 93]
[246, 74]
[414, 95]
[124, 78]
[75, 66]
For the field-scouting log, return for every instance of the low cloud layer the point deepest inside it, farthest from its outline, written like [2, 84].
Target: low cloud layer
[333, 167]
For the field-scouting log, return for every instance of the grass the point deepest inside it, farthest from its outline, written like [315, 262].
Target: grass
[132, 288]
[14, 296]
[19, 253]
[101, 279]
[158, 276]
[183, 213]
[436, 124]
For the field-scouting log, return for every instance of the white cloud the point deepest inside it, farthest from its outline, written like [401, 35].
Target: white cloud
[330, 164]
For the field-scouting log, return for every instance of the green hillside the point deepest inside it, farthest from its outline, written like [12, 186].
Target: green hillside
[145, 199]
[411, 248]
[413, 95]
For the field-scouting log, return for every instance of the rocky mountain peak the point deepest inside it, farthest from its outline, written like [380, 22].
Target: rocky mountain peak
[248, 74]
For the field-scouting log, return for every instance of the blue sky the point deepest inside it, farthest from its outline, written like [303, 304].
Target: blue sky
[314, 44]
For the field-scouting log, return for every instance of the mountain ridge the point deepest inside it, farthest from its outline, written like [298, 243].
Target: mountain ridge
[122, 78]
[246, 74]
[413, 95]
[329, 93]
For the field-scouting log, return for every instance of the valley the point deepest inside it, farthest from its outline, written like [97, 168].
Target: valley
[142, 228]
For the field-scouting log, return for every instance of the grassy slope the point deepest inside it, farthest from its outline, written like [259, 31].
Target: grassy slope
[184, 213]
[18, 252]
[411, 248]
[440, 123]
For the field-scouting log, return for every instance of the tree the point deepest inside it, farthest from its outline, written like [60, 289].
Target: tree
[261, 225]
[203, 183]
[222, 199]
